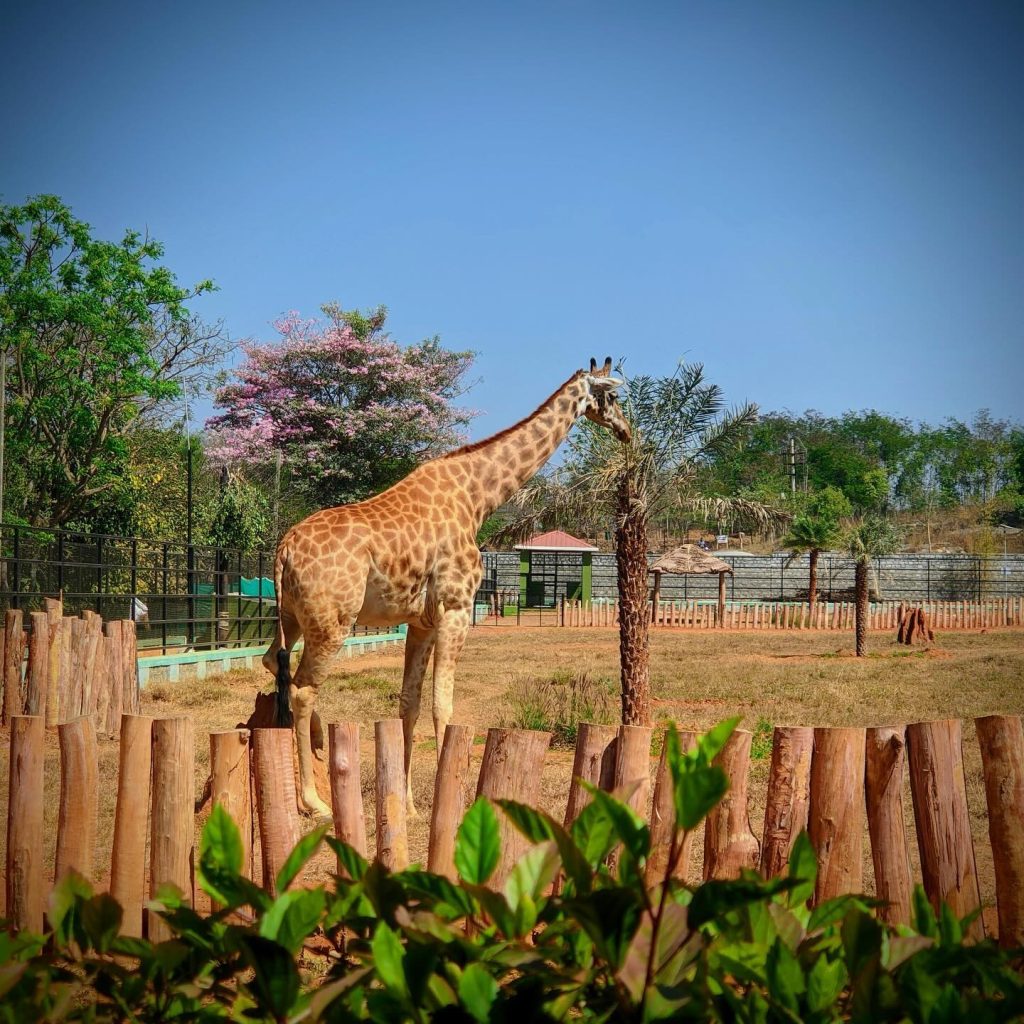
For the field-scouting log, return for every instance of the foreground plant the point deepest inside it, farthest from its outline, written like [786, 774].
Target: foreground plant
[421, 947]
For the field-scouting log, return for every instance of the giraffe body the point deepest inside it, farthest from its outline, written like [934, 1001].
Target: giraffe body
[409, 555]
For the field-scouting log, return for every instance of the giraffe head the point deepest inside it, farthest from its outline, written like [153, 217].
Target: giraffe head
[601, 404]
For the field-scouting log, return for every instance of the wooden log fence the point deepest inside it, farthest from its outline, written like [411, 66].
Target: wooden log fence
[827, 780]
[65, 667]
[940, 616]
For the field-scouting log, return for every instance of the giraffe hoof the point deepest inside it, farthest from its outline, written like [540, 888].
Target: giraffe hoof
[316, 808]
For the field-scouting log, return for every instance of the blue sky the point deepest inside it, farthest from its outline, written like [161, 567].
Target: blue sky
[822, 202]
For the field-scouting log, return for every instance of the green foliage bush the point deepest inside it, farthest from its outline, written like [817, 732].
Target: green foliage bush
[415, 946]
[559, 703]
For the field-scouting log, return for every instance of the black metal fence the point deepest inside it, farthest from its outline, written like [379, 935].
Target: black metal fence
[180, 596]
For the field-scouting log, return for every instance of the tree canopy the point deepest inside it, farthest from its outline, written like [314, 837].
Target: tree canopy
[350, 410]
[96, 336]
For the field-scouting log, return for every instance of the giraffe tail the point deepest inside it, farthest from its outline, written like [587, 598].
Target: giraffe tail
[284, 671]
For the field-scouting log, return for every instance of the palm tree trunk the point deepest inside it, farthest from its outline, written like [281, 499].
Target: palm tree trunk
[812, 585]
[860, 580]
[634, 617]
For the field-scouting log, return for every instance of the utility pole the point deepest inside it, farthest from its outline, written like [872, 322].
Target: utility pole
[792, 466]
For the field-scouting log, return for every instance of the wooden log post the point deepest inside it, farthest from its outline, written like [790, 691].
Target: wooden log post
[115, 671]
[789, 796]
[172, 846]
[14, 649]
[511, 770]
[836, 815]
[276, 800]
[1002, 758]
[76, 674]
[721, 600]
[87, 665]
[633, 765]
[943, 822]
[231, 785]
[131, 816]
[594, 762]
[131, 699]
[392, 828]
[450, 793]
[37, 677]
[26, 897]
[729, 843]
[885, 755]
[346, 785]
[663, 821]
[79, 798]
[101, 682]
[55, 617]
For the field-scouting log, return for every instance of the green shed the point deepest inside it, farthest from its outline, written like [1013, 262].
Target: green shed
[554, 565]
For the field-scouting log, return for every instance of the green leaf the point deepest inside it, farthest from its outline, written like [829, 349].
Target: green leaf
[825, 980]
[101, 921]
[389, 961]
[293, 917]
[784, 975]
[299, 857]
[611, 918]
[67, 896]
[700, 787]
[711, 743]
[434, 890]
[718, 896]
[350, 861]
[478, 843]
[532, 874]
[803, 870]
[275, 982]
[221, 843]
[593, 833]
[629, 828]
[924, 915]
[477, 992]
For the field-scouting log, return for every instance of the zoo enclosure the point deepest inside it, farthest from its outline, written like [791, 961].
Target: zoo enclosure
[181, 596]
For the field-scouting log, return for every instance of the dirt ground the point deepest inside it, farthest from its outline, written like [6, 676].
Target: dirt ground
[697, 679]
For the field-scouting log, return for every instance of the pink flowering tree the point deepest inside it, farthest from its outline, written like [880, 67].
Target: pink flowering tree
[350, 410]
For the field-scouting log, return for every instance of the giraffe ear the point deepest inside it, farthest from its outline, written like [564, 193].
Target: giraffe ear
[604, 371]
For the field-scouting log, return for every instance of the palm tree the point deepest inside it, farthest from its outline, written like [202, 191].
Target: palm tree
[868, 538]
[816, 529]
[679, 426]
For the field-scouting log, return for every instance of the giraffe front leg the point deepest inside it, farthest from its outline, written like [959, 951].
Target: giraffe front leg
[321, 646]
[419, 642]
[451, 635]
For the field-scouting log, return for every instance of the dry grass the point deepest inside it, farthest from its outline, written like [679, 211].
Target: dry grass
[697, 680]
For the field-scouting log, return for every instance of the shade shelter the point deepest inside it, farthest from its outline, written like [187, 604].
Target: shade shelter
[554, 565]
[688, 559]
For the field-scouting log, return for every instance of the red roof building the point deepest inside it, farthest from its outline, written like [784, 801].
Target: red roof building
[555, 540]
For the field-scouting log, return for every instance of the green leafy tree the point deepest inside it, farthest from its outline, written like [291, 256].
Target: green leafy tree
[95, 337]
[868, 538]
[817, 528]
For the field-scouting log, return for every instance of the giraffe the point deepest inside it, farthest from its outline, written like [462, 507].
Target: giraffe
[409, 555]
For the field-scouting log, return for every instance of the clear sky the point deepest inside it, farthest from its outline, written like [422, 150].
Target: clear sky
[823, 202]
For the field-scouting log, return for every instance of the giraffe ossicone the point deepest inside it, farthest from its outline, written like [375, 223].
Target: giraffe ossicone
[409, 555]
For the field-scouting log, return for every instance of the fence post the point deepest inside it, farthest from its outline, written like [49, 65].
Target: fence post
[55, 616]
[14, 646]
[25, 894]
[79, 798]
[276, 800]
[392, 834]
[232, 784]
[789, 793]
[512, 767]
[663, 820]
[128, 852]
[16, 585]
[836, 816]
[1002, 757]
[173, 809]
[449, 798]
[943, 822]
[113, 660]
[346, 784]
[38, 677]
[729, 843]
[594, 762]
[885, 754]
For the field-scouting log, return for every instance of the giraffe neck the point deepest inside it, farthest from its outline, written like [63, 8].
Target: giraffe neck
[498, 466]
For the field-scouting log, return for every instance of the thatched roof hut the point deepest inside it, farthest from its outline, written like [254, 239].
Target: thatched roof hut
[688, 559]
